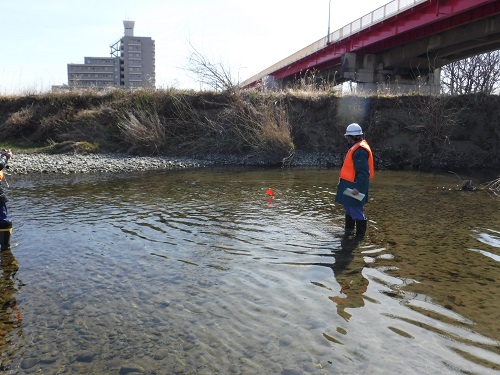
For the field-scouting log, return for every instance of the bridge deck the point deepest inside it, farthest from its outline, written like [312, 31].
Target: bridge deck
[396, 23]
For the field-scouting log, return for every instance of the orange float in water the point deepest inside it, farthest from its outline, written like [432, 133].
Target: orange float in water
[270, 192]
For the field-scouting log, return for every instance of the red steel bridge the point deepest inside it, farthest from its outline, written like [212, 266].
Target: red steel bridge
[404, 43]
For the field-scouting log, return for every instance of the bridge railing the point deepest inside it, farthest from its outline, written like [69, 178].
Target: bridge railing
[378, 15]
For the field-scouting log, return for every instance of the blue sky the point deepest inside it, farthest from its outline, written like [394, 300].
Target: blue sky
[42, 36]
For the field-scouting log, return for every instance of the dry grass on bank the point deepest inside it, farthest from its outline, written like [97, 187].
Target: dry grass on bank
[257, 129]
[410, 131]
[151, 122]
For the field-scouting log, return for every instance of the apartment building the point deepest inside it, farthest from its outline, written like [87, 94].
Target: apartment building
[131, 64]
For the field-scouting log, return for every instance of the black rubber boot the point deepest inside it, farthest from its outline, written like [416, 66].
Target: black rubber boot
[361, 229]
[5, 232]
[349, 225]
[4, 240]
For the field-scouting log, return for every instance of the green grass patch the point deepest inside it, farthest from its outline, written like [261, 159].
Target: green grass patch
[17, 147]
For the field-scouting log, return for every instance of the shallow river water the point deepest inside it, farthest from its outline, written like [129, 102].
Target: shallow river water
[198, 272]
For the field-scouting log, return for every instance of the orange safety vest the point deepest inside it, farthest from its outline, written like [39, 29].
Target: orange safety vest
[1, 175]
[347, 172]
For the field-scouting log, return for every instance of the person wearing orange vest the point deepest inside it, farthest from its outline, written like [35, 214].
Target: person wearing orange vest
[5, 222]
[357, 170]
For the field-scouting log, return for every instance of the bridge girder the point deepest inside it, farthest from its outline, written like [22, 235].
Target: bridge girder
[449, 30]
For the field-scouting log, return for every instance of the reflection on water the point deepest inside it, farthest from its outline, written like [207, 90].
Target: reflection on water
[203, 271]
[348, 271]
[10, 313]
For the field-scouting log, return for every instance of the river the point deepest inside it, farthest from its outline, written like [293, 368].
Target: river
[200, 272]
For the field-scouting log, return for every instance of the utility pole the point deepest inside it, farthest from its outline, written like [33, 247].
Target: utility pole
[328, 35]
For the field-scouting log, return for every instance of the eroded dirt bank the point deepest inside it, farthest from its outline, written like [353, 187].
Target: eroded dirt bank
[407, 132]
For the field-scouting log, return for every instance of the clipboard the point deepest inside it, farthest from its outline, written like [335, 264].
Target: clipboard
[358, 196]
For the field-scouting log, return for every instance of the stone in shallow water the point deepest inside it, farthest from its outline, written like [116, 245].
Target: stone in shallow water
[85, 357]
[131, 369]
[28, 363]
[160, 355]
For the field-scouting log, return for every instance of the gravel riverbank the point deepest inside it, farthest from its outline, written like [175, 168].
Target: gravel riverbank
[110, 163]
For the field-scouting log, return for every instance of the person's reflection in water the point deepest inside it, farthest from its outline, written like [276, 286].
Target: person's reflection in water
[348, 269]
[10, 314]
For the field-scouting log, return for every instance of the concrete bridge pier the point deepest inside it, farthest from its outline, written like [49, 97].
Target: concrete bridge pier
[371, 76]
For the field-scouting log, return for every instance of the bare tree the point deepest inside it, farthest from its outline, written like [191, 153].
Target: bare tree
[494, 186]
[209, 73]
[476, 74]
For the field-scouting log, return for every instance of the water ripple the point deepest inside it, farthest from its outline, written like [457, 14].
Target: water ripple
[198, 272]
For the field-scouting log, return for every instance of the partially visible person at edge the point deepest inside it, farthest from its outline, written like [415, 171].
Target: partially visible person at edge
[357, 169]
[5, 155]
